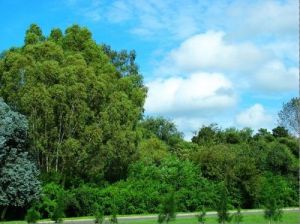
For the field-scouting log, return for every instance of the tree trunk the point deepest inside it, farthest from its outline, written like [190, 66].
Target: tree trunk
[3, 212]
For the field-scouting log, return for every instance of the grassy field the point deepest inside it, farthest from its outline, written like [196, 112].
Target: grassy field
[288, 218]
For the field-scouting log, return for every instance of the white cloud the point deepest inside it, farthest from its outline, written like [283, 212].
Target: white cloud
[210, 51]
[254, 117]
[196, 95]
[274, 77]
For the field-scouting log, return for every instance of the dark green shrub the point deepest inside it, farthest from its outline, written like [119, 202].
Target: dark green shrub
[58, 214]
[59, 210]
[84, 199]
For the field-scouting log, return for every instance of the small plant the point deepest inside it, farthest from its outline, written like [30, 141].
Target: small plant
[237, 217]
[273, 212]
[32, 215]
[113, 219]
[201, 216]
[98, 213]
[167, 209]
[222, 206]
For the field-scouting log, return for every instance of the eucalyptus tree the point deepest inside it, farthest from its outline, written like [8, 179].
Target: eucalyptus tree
[83, 102]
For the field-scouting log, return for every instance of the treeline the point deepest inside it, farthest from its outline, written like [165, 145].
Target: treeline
[74, 136]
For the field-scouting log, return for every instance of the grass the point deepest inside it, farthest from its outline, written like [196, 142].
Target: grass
[288, 218]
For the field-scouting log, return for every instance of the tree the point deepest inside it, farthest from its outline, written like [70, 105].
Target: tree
[163, 129]
[152, 150]
[18, 174]
[279, 132]
[168, 209]
[83, 103]
[207, 135]
[289, 116]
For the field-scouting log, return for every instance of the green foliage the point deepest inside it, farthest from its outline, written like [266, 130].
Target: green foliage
[223, 205]
[167, 209]
[275, 193]
[32, 215]
[207, 135]
[82, 103]
[280, 132]
[162, 128]
[58, 213]
[113, 218]
[18, 174]
[98, 213]
[201, 217]
[273, 213]
[152, 150]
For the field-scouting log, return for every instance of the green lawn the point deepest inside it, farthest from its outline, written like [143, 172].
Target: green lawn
[288, 218]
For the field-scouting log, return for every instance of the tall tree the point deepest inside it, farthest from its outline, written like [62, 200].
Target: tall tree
[18, 174]
[83, 103]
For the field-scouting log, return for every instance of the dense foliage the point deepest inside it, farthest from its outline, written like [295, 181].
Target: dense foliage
[98, 155]
[18, 174]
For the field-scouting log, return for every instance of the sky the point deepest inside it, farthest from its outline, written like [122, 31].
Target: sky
[230, 62]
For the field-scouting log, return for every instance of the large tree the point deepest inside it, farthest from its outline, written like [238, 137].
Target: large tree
[83, 102]
[18, 174]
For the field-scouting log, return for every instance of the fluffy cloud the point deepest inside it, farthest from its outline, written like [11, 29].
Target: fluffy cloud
[252, 67]
[274, 77]
[196, 95]
[209, 51]
[254, 117]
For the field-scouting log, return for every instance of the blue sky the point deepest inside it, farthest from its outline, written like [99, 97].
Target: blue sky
[231, 62]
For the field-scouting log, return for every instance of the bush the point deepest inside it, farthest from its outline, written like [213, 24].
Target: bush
[84, 199]
[58, 214]
[32, 215]
[50, 196]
